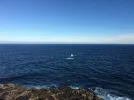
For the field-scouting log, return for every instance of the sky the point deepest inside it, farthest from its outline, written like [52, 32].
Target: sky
[67, 21]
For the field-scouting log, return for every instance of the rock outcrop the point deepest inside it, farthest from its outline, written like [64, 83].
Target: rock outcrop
[17, 92]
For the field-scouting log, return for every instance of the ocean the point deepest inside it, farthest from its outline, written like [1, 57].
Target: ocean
[106, 69]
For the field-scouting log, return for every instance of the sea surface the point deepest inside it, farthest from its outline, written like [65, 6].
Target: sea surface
[106, 69]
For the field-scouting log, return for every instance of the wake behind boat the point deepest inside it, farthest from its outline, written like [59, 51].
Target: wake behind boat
[69, 58]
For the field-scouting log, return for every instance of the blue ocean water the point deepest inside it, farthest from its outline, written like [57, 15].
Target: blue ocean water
[107, 69]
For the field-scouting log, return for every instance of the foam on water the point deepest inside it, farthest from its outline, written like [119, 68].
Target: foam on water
[107, 96]
[36, 87]
[70, 58]
[41, 86]
[73, 87]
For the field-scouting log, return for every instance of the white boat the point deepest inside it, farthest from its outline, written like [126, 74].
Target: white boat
[72, 55]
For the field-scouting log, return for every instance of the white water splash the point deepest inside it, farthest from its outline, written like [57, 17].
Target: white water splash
[73, 87]
[107, 96]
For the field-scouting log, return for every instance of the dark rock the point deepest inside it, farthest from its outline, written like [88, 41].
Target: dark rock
[22, 98]
[16, 92]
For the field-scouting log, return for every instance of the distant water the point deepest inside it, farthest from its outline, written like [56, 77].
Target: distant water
[107, 69]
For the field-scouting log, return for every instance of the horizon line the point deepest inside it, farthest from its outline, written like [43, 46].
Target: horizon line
[66, 43]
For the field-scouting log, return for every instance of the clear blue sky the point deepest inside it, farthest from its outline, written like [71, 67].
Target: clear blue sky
[67, 21]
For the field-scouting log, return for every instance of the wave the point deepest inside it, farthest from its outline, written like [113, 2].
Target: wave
[73, 87]
[108, 96]
[41, 86]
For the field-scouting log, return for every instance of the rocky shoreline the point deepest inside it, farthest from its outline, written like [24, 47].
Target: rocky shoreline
[18, 92]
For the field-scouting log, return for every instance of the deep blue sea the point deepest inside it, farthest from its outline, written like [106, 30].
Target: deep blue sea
[107, 69]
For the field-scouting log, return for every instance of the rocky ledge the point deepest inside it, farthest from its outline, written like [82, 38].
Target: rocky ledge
[17, 92]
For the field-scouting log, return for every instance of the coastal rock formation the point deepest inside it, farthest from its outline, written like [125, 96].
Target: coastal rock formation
[17, 92]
